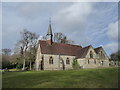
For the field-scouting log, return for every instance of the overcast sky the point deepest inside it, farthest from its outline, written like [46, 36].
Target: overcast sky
[94, 23]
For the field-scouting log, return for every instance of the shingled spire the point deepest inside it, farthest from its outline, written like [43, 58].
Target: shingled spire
[49, 29]
[49, 33]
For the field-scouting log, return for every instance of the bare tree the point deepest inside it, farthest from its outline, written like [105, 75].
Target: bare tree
[58, 37]
[6, 51]
[33, 47]
[27, 46]
[61, 38]
[23, 45]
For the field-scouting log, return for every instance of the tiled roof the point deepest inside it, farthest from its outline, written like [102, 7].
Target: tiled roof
[64, 49]
[59, 48]
[82, 52]
[97, 49]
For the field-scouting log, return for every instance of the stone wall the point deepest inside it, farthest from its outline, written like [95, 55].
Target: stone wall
[106, 57]
[88, 63]
[58, 61]
[53, 66]
[93, 52]
[92, 63]
[68, 66]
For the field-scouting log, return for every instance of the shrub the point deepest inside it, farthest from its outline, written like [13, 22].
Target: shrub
[75, 64]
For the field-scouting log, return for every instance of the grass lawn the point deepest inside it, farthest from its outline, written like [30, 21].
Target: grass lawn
[83, 78]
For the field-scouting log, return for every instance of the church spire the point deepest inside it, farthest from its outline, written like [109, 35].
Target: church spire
[49, 28]
[49, 33]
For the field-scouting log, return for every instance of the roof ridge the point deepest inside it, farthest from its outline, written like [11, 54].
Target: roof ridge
[64, 44]
[98, 47]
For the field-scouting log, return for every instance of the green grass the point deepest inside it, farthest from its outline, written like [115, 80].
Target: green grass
[83, 78]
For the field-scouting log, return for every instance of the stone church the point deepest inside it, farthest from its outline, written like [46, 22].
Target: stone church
[59, 56]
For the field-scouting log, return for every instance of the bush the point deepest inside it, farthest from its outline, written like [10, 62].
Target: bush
[19, 66]
[75, 64]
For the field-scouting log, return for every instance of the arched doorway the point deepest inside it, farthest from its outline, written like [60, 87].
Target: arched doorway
[42, 64]
[63, 65]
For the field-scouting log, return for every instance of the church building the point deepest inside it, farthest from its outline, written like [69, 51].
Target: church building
[59, 56]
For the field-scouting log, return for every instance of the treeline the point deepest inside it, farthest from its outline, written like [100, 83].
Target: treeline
[24, 54]
[115, 56]
[115, 59]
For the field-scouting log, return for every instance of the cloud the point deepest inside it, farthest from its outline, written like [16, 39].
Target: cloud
[35, 10]
[28, 10]
[72, 17]
[113, 31]
[85, 23]
[71, 20]
[111, 47]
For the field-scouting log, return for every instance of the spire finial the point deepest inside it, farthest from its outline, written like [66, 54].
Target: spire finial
[49, 33]
[49, 28]
[49, 20]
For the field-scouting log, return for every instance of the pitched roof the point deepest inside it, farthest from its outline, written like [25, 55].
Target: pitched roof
[97, 49]
[65, 49]
[82, 52]
[59, 48]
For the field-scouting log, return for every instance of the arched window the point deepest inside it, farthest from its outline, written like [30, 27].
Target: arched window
[67, 61]
[91, 54]
[42, 64]
[51, 60]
